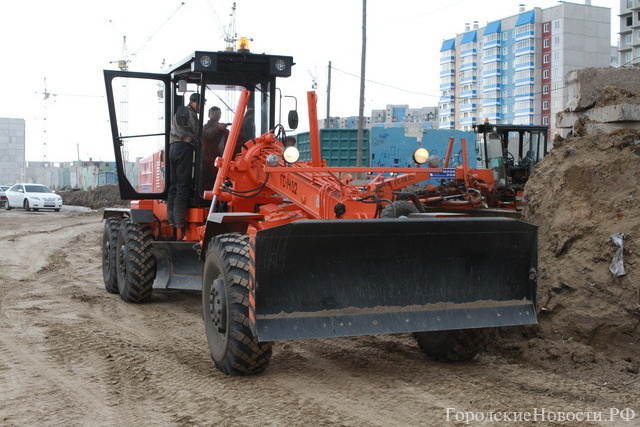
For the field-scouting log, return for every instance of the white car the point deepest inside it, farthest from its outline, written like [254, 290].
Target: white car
[32, 196]
[3, 197]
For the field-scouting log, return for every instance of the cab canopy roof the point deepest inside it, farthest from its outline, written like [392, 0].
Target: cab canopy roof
[231, 65]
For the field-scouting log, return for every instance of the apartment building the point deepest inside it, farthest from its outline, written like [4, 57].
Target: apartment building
[629, 46]
[12, 150]
[512, 70]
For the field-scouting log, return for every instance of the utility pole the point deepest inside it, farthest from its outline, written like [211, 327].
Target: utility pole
[326, 125]
[362, 70]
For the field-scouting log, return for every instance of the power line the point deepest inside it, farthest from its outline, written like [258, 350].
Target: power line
[453, 97]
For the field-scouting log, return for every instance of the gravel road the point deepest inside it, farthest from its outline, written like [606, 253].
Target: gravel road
[73, 355]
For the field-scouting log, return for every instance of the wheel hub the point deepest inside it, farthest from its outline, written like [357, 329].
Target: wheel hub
[218, 306]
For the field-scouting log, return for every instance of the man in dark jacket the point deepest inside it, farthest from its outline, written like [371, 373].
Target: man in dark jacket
[183, 137]
[213, 133]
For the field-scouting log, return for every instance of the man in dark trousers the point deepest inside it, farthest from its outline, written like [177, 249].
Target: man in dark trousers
[213, 133]
[183, 137]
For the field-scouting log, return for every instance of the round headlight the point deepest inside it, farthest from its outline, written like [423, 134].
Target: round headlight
[205, 61]
[421, 155]
[291, 154]
[273, 160]
[280, 65]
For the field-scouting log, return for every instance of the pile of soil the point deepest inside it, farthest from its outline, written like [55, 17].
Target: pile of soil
[100, 197]
[613, 95]
[584, 191]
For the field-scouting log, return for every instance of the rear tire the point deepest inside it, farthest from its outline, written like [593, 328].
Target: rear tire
[109, 254]
[398, 208]
[453, 346]
[7, 206]
[226, 308]
[136, 264]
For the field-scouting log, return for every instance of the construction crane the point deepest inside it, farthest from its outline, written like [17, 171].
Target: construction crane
[46, 97]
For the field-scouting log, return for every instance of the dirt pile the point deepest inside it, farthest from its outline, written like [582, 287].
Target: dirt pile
[613, 95]
[585, 190]
[99, 197]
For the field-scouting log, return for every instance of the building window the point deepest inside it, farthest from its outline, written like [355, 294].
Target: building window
[545, 89]
[556, 24]
[505, 50]
[546, 43]
[629, 4]
[545, 58]
[628, 38]
[545, 28]
[556, 56]
[556, 72]
[629, 21]
[556, 103]
[545, 120]
[505, 35]
[638, 35]
[556, 40]
[545, 74]
[628, 57]
[545, 105]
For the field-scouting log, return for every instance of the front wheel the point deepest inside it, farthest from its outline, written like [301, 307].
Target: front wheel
[398, 208]
[453, 346]
[25, 205]
[226, 308]
[109, 254]
[136, 264]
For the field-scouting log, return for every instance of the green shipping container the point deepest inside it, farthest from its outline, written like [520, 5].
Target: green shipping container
[338, 146]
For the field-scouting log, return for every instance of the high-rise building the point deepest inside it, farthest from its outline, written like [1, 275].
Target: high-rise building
[12, 150]
[629, 46]
[512, 70]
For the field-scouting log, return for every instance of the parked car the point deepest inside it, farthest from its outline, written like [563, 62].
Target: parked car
[3, 196]
[32, 196]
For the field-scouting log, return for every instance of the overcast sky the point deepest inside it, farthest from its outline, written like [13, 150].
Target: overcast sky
[70, 42]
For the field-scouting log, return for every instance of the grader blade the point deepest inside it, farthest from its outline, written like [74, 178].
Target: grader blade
[330, 278]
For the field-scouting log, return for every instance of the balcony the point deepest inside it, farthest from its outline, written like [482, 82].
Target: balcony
[467, 107]
[448, 98]
[525, 96]
[491, 43]
[492, 72]
[491, 102]
[447, 59]
[468, 80]
[447, 112]
[525, 35]
[525, 66]
[524, 81]
[447, 73]
[467, 120]
[491, 87]
[493, 117]
[469, 66]
[524, 112]
[491, 58]
[468, 93]
[529, 50]
[447, 85]
[468, 52]
[446, 125]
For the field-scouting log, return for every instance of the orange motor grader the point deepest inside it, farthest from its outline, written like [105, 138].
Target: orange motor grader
[507, 153]
[284, 249]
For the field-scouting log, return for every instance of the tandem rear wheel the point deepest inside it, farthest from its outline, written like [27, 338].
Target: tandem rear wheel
[135, 262]
[227, 310]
